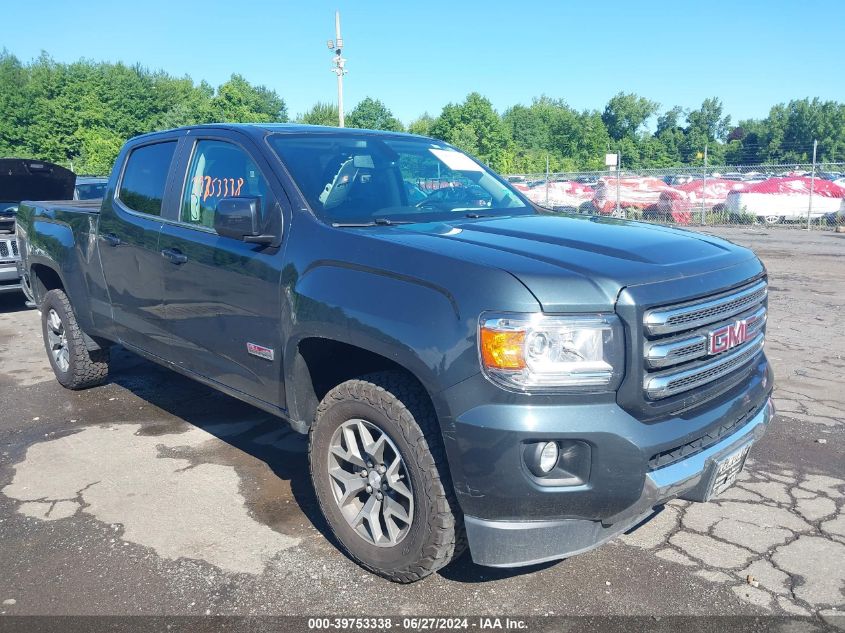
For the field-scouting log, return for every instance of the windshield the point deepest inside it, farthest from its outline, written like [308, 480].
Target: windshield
[361, 179]
[91, 191]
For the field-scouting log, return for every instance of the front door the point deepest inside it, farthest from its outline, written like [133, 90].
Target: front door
[222, 295]
[129, 228]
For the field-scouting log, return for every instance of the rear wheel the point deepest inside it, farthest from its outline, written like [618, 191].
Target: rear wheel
[379, 472]
[73, 364]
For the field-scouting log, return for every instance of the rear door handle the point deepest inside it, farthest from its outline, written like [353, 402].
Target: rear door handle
[174, 255]
[112, 239]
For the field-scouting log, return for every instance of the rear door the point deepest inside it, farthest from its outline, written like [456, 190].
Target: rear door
[222, 295]
[129, 227]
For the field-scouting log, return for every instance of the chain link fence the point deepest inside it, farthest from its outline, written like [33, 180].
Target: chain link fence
[788, 195]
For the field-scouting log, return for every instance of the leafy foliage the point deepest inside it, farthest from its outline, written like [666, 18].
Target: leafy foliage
[320, 114]
[81, 113]
[372, 114]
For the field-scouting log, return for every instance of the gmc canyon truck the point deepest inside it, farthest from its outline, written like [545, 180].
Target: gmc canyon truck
[469, 368]
[22, 179]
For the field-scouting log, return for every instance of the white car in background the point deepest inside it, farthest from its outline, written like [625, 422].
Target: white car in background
[778, 200]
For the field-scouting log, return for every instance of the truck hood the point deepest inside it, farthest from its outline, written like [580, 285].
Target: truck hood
[24, 179]
[570, 262]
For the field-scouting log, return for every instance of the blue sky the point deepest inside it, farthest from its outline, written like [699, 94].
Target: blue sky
[419, 56]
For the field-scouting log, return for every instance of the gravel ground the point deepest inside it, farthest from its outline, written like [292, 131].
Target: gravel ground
[156, 495]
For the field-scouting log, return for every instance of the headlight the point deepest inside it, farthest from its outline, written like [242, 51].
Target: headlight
[539, 353]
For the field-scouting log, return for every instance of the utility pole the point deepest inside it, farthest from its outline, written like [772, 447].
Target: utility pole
[618, 212]
[704, 187]
[547, 180]
[812, 183]
[339, 66]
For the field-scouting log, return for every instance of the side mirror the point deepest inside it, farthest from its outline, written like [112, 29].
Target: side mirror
[240, 218]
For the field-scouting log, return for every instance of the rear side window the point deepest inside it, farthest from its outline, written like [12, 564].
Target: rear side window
[142, 187]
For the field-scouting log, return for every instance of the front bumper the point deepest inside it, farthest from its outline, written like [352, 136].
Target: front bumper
[10, 279]
[631, 467]
[517, 543]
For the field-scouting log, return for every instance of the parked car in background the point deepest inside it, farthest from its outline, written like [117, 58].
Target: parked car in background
[588, 181]
[681, 179]
[90, 187]
[778, 200]
[668, 209]
[836, 218]
[25, 179]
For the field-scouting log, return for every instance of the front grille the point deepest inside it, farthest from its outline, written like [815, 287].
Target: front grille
[677, 355]
[8, 247]
[704, 311]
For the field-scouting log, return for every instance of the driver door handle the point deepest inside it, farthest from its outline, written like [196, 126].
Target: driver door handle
[174, 255]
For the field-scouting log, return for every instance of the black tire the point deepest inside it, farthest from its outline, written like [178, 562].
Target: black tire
[397, 406]
[84, 368]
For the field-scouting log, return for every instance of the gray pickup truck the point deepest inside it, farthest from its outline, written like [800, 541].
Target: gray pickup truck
[470, 369]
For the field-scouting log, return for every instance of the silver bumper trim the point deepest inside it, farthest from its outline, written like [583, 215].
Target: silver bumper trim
[688, 472]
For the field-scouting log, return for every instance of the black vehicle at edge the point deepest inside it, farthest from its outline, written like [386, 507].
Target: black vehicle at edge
[21, 179]
[528, 383]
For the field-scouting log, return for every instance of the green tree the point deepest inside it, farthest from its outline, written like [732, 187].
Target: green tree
[82, 112]
[421, 125]
[475, 127]
[626, 113]
[320, 114]
[531, 127]
[372, 114]
[708, 122]
[240, 102]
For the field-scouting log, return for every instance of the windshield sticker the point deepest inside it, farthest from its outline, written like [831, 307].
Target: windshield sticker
[455, 160]
[217, 187]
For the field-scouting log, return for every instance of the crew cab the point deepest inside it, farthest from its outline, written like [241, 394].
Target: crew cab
[470, 368]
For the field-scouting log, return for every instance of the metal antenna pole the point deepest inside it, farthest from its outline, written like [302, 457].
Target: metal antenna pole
[339, 66]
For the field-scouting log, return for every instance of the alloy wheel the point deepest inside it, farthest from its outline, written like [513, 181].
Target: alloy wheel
[57, 338]
[370, 483]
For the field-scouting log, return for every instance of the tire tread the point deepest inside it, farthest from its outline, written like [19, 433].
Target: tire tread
[86, 368]
[402, 400]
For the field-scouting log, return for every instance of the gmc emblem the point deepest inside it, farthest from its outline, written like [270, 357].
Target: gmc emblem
[728, 337]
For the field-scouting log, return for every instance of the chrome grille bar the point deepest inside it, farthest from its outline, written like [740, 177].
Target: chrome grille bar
[693, 346]
[8, 249]
[679, 318]
[668, 383]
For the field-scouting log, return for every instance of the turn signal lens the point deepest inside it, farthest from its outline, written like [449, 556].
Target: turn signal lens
[503, 350]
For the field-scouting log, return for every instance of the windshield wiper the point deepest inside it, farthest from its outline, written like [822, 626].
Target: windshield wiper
[475, 216]
[375, 222]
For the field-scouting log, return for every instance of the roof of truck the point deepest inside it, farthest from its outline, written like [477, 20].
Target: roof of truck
[261, 129]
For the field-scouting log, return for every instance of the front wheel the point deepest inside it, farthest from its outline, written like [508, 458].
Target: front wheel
[75, 366]
[380, 475]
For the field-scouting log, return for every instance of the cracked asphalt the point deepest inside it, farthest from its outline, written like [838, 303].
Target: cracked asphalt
[156, 495]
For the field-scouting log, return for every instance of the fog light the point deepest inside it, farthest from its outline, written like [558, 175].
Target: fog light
[548, 456]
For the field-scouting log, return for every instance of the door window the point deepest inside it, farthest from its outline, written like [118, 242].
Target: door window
[219, 170]
[145, 176]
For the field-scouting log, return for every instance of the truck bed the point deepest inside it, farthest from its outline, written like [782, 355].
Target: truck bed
[79, 206]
